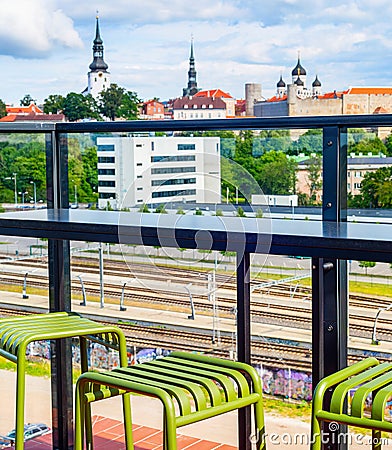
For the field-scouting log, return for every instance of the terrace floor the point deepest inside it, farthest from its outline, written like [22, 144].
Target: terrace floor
[109, 434]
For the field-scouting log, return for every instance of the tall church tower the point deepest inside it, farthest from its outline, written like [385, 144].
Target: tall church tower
[98, 77]
[191, 89]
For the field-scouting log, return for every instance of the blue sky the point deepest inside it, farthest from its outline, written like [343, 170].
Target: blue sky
[45, 45]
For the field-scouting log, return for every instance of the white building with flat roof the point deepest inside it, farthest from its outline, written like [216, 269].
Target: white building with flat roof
[134, 170]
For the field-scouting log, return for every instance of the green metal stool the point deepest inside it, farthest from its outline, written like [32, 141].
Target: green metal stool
[368, 377]
[191, 388]
[17, 332]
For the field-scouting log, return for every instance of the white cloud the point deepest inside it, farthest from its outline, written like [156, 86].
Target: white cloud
[236, 41]
[30, 29]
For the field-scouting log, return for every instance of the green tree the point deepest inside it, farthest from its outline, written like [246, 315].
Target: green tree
[180, 211]
[366, 265]
[376, 188]
[27, 100]
[79, 106]
[309, 142]
[370, 144]
[129, 108]
[115, 102]
[54, 104]
[276, 173]
[3, 109]
[388, 145]
[314, 176]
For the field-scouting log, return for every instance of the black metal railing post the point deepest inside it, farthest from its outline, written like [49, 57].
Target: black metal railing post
[329, 276]
[243, 341]
[59, 294]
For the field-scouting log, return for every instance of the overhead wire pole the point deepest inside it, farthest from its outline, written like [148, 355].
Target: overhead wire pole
[102, 295]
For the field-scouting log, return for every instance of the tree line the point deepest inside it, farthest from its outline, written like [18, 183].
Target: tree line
[112, 103]
[266, 159]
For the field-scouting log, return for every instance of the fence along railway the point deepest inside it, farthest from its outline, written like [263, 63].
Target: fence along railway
[263, 309]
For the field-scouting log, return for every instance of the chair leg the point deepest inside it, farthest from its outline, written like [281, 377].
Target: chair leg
[315, 438]
[84, 365]
[127, 414]
[259, 425]
[20, 400]
[80, 415]
[376, 440]
[169, 431]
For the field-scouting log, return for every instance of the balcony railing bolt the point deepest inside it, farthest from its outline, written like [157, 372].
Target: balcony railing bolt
[330, 328]
[329, 205]
[327, 266]
[329, 143]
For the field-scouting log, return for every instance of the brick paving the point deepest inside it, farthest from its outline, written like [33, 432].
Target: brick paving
[109, 435]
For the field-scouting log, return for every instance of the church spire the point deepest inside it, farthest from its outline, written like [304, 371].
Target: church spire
[191, 89]
[98, 77]
[98, 63]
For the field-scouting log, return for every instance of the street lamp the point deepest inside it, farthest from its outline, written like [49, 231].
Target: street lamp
[35, 193]
[23, 196]
[192, 316]
[375, 341]
[15, 190]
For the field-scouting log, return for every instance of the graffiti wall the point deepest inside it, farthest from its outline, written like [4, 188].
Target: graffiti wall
[285, 383]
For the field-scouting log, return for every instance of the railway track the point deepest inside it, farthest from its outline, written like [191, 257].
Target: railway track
[263, 310]
[263, 351]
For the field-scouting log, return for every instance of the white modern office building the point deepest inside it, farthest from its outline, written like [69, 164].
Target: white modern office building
[137, 170]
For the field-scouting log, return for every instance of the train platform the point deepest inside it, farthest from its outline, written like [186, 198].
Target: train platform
[179, 320]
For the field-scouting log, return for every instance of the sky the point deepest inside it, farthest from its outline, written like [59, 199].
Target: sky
[46, 45]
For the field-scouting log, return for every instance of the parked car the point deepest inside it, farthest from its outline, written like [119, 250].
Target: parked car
[31, 431]
[4, 443]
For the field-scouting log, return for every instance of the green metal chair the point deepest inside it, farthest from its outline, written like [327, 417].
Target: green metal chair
[17, 332]
[191, 388]
[368, 378]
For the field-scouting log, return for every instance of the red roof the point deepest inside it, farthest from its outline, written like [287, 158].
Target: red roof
[370, 90]
[32, 108]
[198, 103]
[33, 117]
[214, 93]
[277, 99]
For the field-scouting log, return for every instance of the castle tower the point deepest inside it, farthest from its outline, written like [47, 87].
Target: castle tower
[191, 89]
[252, 95]
[98, 77]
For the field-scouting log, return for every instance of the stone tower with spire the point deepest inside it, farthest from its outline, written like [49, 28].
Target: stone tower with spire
[192, 88]
[98, 77]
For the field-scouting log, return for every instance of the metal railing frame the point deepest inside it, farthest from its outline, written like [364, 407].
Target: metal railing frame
[329, 275]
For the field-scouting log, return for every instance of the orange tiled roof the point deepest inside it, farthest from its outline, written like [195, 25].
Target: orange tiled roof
[214, 93]
[277, 99]
[8, 118]
[370, 90]
[32, 108]
[33, 117]
[332, 95]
